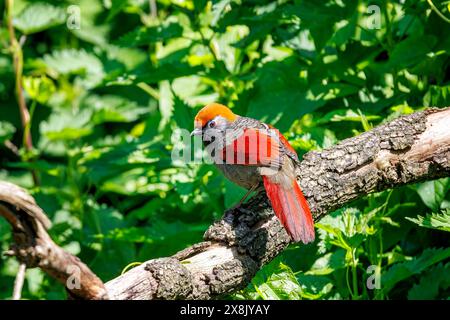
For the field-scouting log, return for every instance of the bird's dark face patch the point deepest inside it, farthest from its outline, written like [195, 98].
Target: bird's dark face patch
[215, 129]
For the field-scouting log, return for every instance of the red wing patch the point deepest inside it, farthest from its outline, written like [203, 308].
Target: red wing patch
[253, 147]
[284, 141]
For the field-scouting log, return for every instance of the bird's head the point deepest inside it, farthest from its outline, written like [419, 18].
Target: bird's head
[212, 119]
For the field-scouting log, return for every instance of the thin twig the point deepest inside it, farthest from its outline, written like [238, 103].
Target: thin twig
[153, 9]
[17, 54]
[18, 67]
[12, 147]
[18, 282]
[438, 12]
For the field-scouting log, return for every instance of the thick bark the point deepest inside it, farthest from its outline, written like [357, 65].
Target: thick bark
[409, 149]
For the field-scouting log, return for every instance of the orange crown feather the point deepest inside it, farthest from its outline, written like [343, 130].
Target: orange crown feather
[211, 111]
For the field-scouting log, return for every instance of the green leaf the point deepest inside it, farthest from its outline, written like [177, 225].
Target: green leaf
[183, 114]
[404, 56]
[328, 263]
[233, 193]
[315, 287]
[404, 270]
[34, 278]
[38, 17]
[439, 221]
[154, 75]
[428, 287]
[281, 284]
[65, 125]
[437, 96]
[116, 7]
[39, 88]
[339, 115]
[146, 35]
[433, 193]
[159, 232]
[111, 108]
[6, 131]
[78, 62]
[279, 95]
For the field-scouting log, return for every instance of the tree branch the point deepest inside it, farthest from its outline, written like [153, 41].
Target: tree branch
[409, 149]
[33, 246]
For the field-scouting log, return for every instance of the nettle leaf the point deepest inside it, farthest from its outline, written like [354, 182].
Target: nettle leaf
[154, 75]
[433, 193]
[439, 221]
[437, 96]
[428, 287]
[184, 113]
[39, 88]
[404, 56]
[160, 231]
[311, 12]
[258, 30]
[67, 125]
[41, 165]
[116, 7]
[145, 35]
[314, 287]
[6, 131]
[279, 285]
[350, 115]
[404, 270]
[287, 99]
[38, 17]
[110, 108]
[78, 62]
[135, 181]
[328, 263]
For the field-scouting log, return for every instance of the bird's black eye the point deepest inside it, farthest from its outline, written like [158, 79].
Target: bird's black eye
[212, 124]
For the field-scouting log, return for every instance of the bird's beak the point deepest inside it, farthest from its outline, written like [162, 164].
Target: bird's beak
[196, 132]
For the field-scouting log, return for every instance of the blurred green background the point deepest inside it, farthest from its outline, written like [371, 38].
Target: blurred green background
[108, 81]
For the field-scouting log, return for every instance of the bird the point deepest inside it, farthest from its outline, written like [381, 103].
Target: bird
[255, 155]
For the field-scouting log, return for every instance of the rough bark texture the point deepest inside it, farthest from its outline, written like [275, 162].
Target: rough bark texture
[405, 150]
[409, 149]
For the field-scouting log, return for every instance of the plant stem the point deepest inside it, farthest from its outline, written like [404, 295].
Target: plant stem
[439, 13]
[18, 282]
[347, 280]
[148, 89]
[354, 275]
[17, 55]
[27, 129]
[153, 9]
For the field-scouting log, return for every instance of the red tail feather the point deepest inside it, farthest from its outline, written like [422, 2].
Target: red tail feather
[291, 208]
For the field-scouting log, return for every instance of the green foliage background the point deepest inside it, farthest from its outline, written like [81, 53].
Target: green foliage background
[105, 99]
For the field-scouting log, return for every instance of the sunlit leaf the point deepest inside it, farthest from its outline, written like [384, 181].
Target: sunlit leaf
[433, 192]
[281, 284]
[38, 17]
[6, 131]
[70, 61]
[439, 221]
